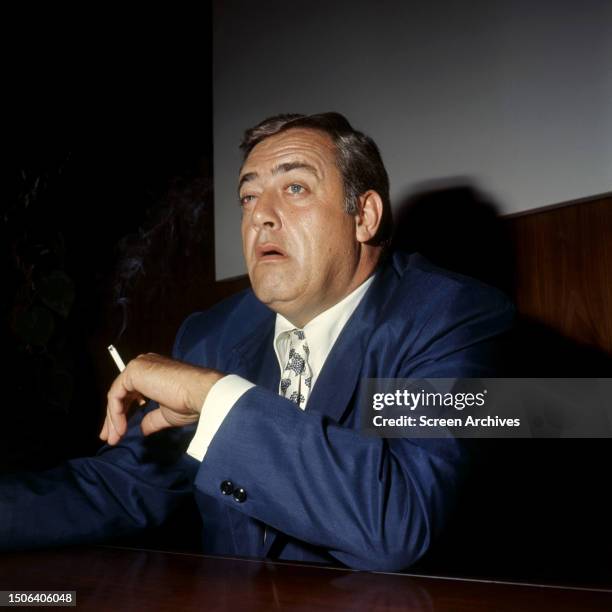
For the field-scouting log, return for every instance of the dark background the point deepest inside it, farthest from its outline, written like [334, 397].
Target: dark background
[106, 216]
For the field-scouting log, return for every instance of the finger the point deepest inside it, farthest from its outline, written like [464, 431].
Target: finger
[104, 432]
[113, 433]
[135, 398]
[154, 421]
[110, 430]
[131, 402]
[107, 429]
[116, 407]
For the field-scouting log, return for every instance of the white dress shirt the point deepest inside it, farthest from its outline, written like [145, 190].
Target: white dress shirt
[321, 335]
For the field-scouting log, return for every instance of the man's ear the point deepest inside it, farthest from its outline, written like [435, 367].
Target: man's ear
[369, 216]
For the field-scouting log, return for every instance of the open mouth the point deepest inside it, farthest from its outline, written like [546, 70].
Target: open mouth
[269, 251]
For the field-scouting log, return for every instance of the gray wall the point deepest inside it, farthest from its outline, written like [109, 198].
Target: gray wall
[516, 96]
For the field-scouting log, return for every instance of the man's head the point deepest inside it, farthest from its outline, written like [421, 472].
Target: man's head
[316, 214]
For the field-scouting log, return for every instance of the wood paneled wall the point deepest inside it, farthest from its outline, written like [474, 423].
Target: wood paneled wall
[563, 269]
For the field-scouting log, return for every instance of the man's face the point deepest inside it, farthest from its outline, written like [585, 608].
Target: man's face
[299, 245]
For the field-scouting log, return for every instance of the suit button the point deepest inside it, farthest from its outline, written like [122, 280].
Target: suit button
[227, 488]
[240, 495]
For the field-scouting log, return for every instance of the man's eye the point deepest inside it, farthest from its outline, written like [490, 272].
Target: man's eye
[295, 188]
[244, 200]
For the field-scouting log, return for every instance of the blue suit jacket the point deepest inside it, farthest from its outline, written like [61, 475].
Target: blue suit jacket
[324, 490]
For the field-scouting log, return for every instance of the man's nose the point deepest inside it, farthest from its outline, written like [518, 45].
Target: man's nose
[265, 213]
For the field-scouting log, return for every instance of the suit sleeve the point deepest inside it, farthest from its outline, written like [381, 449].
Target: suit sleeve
[371, 503]
[120, 491]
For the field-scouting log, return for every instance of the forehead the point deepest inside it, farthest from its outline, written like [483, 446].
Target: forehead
[297, 144]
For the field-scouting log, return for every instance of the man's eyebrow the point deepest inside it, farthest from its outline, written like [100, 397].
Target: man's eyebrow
[296, 165]
[249, 176]
[281, 168]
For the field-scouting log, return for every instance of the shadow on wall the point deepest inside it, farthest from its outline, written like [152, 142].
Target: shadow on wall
[533, 509]
[455, 226]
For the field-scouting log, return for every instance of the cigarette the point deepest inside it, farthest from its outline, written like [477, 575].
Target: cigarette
[114, 353]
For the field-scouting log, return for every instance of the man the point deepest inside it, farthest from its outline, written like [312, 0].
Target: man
[263, 386]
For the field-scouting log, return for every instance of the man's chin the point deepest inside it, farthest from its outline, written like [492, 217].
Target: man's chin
[273, 295]
[270, 297]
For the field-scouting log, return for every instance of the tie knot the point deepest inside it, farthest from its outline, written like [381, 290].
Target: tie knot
[298, 345]
[297, 334]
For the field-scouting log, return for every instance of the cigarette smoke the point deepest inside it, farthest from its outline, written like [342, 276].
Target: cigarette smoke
[171, 240]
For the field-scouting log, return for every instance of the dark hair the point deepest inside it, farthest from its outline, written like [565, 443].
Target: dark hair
[357, 157]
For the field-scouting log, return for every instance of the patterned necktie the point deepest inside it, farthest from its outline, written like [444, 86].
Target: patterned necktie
[297, 375]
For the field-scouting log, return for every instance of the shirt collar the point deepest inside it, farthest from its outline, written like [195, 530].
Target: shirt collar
[321, 333]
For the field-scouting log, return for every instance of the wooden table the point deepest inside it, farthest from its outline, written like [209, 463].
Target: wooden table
[109, 578]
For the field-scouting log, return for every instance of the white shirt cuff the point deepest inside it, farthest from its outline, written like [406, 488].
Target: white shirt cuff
[219, 401]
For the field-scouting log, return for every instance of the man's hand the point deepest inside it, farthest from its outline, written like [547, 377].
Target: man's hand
[179, 388]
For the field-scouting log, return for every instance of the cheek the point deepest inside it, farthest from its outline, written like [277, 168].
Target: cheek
[340, 236]
[299, 232]
[247, 243]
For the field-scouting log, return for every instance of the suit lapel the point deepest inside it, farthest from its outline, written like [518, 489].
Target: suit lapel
[254, 358]
[340, 375]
